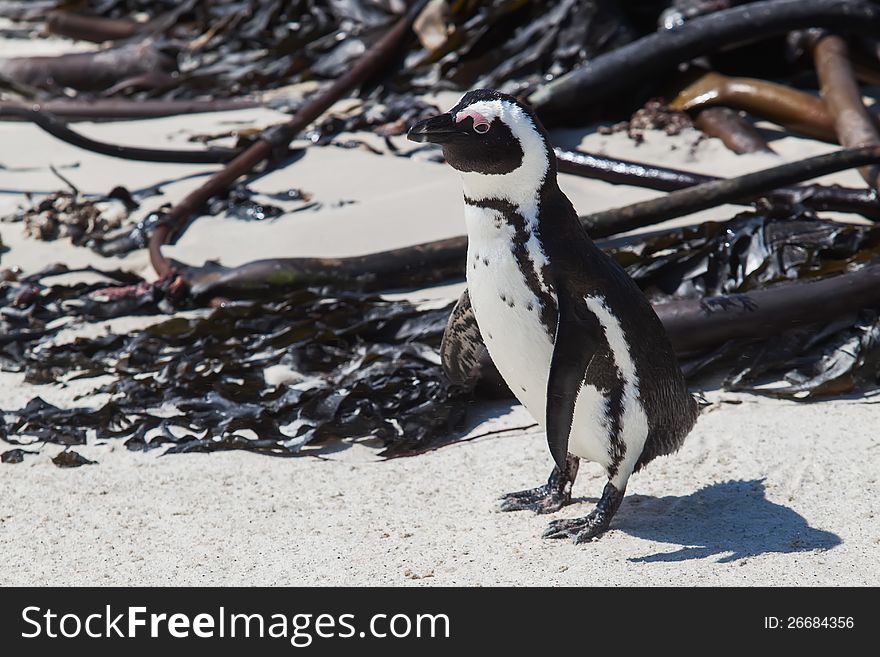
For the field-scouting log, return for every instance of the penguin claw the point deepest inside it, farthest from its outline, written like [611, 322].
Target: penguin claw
[540, 500]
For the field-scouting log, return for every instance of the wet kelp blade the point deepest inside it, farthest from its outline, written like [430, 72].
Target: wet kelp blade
[791, 302]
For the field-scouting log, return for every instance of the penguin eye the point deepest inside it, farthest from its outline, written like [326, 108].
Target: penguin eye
[481, 128]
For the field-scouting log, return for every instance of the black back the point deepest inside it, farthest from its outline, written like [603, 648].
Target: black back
[577, 263]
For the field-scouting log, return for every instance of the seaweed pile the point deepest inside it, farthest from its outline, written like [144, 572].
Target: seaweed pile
[270, 377]
[104, 225]
[85, 221]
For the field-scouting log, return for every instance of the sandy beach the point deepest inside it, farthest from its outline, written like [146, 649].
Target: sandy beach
[763, 492]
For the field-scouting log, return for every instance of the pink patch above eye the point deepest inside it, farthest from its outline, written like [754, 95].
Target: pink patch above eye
[481, 123]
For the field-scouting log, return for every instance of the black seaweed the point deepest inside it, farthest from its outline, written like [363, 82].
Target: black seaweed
[750, 252]
[353, 367]
[14, 455]
[243, 46]
[70, 459]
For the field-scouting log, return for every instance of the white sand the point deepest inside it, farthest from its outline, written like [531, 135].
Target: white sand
[763, 492]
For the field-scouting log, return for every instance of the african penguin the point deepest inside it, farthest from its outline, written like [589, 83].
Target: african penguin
[570, 332]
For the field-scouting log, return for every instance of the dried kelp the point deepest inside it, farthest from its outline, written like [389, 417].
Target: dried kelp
[141, 65]
[273, 378]
[654, 115]
[103, 223]
[66, 214]
[14, 455]
[71, 459]
[91, 28]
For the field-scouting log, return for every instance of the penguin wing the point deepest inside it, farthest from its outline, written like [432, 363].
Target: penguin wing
[578, 336]
[462, 347]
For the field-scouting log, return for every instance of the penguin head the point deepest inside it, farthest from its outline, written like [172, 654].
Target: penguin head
[493, 137]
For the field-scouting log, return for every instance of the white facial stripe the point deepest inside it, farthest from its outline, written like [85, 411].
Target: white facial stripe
[520, 186]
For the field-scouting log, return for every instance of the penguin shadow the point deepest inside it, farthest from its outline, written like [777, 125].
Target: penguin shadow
[732, 519]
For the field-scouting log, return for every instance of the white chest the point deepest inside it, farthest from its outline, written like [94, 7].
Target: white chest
[507, 310]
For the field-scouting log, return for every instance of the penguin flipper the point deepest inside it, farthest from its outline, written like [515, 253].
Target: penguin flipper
[577, 338]
[462, 349]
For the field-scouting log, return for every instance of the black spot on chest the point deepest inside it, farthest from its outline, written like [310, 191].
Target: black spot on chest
[546, 303]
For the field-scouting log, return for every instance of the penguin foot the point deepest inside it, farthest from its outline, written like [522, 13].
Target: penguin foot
[542, 499]
[580, 530]
[585, 529]
[550, 497]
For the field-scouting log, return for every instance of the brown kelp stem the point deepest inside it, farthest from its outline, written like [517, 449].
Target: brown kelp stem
[629, 67]
[59, 129]
[423, 264]
[695, 325]
[840, 90]
[624, 172]
[90, 28]
[795, 110]
[116, 109]
[733, 130]
[435, 261]
[711, 194]
[367, 66]
[90, 71]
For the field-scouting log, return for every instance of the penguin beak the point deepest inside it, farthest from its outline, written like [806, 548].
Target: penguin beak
[438, 129]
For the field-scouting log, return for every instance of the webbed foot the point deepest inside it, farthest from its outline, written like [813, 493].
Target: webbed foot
[585, 529]
[550, 497]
